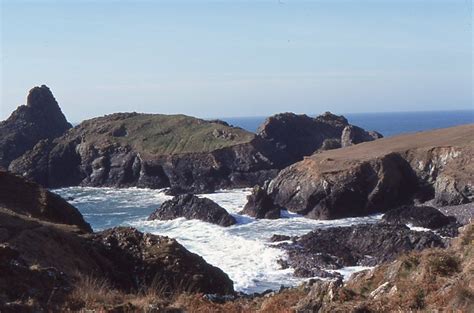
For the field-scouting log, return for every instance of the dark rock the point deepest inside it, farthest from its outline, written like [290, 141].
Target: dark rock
[380, 175]
[420, 216]
[365, 245]
[315, 272]
[145, 259]
[260, 205]
[321, 191]
[30, 199]
[451, 230]
[41, 118]
[278, 238]
[296, 136]
[191, 207]
[30, 288]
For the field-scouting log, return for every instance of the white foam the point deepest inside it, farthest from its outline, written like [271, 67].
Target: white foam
[241, 250]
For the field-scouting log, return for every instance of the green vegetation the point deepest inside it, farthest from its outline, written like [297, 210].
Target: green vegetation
[159, 134]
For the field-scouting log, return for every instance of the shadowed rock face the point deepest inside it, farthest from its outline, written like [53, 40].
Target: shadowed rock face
[30, 199]
[191, 207]
[260, 205]
[297, 136]
[380, 175]
[365, 245]
[420, 216]
[41, 118]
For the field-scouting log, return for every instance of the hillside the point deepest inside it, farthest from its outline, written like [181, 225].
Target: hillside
[375, 176]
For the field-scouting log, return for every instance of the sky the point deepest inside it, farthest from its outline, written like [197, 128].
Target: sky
[238, 58]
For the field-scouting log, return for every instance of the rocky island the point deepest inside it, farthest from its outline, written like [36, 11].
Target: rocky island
[183, 153]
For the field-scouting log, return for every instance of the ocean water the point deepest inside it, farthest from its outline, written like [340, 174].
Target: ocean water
[242, 250]
[388, 124]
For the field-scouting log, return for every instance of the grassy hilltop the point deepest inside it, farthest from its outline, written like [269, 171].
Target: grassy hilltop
[159, 134]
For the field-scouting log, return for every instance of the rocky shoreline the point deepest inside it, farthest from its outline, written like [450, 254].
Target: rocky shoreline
[322, 168]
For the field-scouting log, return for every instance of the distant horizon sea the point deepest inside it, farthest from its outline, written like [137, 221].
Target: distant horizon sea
[388, 124]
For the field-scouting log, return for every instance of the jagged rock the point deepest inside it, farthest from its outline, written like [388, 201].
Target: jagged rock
[380, 175]
[366, 245]
[41, 118]
[320, 293]
[144, 259]
[297, 136]
[278, 238]
[30, 199]
[191, 207]
[352, 135]
[420, 216]
[260, 205]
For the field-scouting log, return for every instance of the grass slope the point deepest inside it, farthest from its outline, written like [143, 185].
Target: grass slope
[158, 134]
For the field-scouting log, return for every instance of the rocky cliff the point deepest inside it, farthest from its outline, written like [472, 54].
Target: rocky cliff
[46, 249]
[296, 136]
[376, 176]
[156, 151]
[181, 152]
[41, 118]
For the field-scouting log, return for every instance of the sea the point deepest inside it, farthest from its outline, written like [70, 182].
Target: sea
[243, 250]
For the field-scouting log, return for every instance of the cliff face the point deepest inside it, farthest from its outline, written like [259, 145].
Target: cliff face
[157, 151]
[296, 136]
[41, 118]
[376, 176]
[177, 151]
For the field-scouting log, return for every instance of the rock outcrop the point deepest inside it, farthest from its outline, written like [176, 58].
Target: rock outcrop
[365, 245]
[296, 136]
[46, 247]
[133, 260]
[154, 151]
[182, 153]
[260, 205]
[419, 216]
[430, 280]
[41, 118]
[380, 175]
[192, 207]
[32, 200]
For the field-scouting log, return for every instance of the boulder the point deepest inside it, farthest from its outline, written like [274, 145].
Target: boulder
[191, 207]
[260, 205]
[41, 118]
[360, 245]
[420, 216]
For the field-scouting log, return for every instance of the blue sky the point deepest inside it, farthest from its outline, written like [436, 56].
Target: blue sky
[239, 58]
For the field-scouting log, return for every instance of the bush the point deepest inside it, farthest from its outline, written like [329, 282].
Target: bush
[444, 264]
